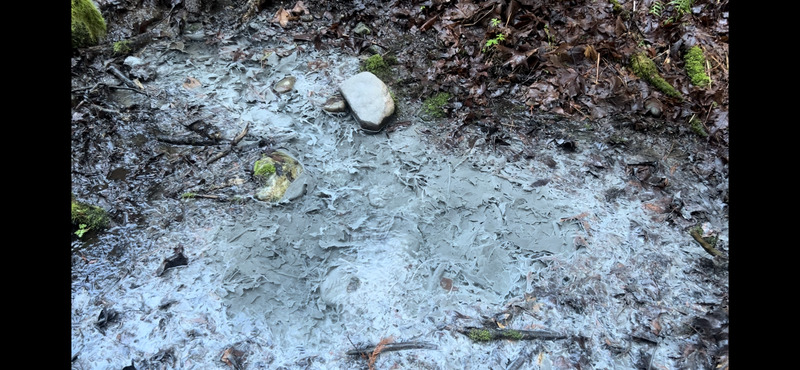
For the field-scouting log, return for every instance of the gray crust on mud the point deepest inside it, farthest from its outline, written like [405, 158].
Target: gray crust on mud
[394, 238]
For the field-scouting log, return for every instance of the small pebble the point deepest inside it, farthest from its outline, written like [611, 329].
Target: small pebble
[285, 85]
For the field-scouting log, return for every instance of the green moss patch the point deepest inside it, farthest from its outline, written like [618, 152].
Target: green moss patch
[646, 69]
[264, 167]
[275, 173]
[433, 105]
[480, 335]
[88, 217]
[88, 25]
[697, 127]
[696, 67]
[377, 66]
[122, 47]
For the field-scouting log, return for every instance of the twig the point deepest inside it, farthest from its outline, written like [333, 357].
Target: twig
[235, 141]
[114, 71]
[398, 346]
[597, 67]
[186, 140]
[696, 235]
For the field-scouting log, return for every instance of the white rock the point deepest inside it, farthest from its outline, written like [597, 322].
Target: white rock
[369, 100]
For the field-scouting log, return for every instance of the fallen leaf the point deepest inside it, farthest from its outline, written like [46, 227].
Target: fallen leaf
[656, 326]
[447, 284]
[281, 17]
[590, 53]
[299, 8]
[191, 83]
[576, 217]
[654, 207]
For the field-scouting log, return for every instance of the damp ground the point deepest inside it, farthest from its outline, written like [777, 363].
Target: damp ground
[580, 229]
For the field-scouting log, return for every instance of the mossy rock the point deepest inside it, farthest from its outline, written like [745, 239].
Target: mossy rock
[88, 25]
[275, 174]
[88, 217]
[646, 69]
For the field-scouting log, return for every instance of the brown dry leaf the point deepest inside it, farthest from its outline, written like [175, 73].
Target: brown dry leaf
[576, 217]
[447, 284]
[374, 355]
[281, 17]
[656, 327]
[232, 357]
[654, 207]
[518, 57]
[299, 8]
[590, 53]
[191, 83]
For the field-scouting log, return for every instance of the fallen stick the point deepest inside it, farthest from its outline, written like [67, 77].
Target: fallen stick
[234, 142]
[696, 235]
[398, 346]
[186, 140]
[485, 335]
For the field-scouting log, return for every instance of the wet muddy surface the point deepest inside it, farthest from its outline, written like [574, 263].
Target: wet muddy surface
[579, 228]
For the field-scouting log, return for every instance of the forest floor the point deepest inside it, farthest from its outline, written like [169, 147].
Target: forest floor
[555, 192]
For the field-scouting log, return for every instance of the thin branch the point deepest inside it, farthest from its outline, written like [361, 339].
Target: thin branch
[397, 346]
[696, 235]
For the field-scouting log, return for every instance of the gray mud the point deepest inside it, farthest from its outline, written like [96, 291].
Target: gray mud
[393, 237]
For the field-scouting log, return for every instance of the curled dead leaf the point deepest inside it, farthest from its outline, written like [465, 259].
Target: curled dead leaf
[281, 17]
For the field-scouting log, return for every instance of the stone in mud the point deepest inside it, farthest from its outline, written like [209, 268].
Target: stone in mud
[285, 85]
[369, 100]
[334, 104]
[276, 173]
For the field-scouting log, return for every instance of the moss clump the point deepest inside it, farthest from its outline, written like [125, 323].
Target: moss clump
[377, 66]
[88, 25]
[433, 105]
[645, 68]
[88, 217]
[479, 335]
[695, 67]
[711, 240]
[264, 167]
[617, 6]
[122, 47]
[697, 127]
[512, 334]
